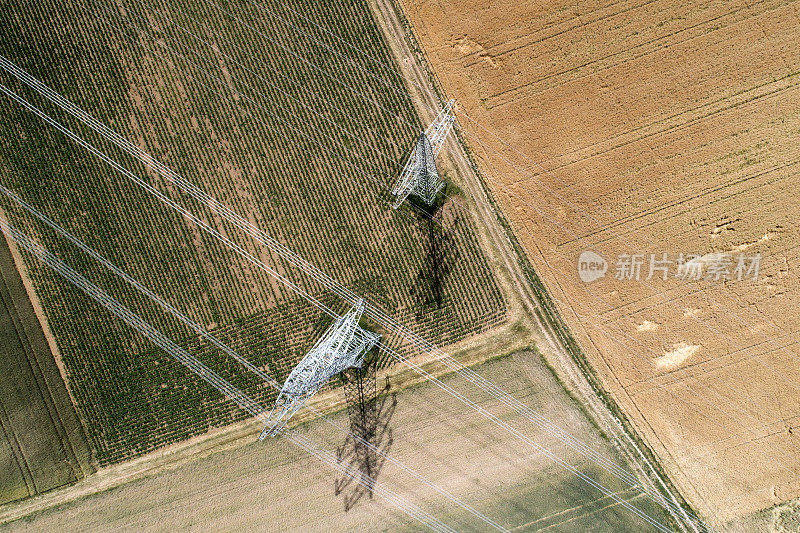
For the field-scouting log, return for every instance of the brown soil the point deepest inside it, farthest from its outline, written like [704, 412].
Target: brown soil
[664, 127]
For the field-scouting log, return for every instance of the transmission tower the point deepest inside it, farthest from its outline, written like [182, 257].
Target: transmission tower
[342, 346]
[419, 175]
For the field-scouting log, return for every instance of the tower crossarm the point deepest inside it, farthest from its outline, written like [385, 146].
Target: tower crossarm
[439, 129]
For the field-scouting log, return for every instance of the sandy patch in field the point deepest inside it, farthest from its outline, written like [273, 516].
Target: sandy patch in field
[647, 325]
[675, 357]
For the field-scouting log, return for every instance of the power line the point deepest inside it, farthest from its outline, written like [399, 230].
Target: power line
[209, 376]
[168, 308]
[373, 312]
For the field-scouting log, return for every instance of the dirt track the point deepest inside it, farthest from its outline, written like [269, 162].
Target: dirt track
[523, 303]
[664, 127]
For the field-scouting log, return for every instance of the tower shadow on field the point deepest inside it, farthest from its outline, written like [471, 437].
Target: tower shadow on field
[441, 253]
[370, 437]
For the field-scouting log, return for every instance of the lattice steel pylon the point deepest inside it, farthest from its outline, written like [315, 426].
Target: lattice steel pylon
[419, 175]
[342, 346]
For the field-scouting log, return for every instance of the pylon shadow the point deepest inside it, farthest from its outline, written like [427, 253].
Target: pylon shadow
[441, 254]
[365, 448]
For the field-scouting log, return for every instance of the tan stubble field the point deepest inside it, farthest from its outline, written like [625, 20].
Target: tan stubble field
[664, 127]
[248, 485]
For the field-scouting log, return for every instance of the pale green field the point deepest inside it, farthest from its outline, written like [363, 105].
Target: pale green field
[273, 486]
[42, 444]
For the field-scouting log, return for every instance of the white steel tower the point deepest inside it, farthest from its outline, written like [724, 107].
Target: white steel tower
[419, 175]
[343, 345]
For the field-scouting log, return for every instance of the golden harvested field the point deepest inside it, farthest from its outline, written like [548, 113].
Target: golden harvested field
[669, 127]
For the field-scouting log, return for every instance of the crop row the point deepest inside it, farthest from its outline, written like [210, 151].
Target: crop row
[302, 144]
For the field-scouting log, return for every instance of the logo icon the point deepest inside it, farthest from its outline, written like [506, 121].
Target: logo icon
[591, 266]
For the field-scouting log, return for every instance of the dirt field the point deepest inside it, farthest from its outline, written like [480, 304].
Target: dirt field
[244, 484]
[664, 127]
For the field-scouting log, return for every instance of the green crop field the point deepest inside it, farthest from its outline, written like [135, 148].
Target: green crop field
[300, 138]
[42, 445]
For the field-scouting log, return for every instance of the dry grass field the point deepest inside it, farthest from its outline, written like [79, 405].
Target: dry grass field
[42, 443]
[661, 126]
[270, 486]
